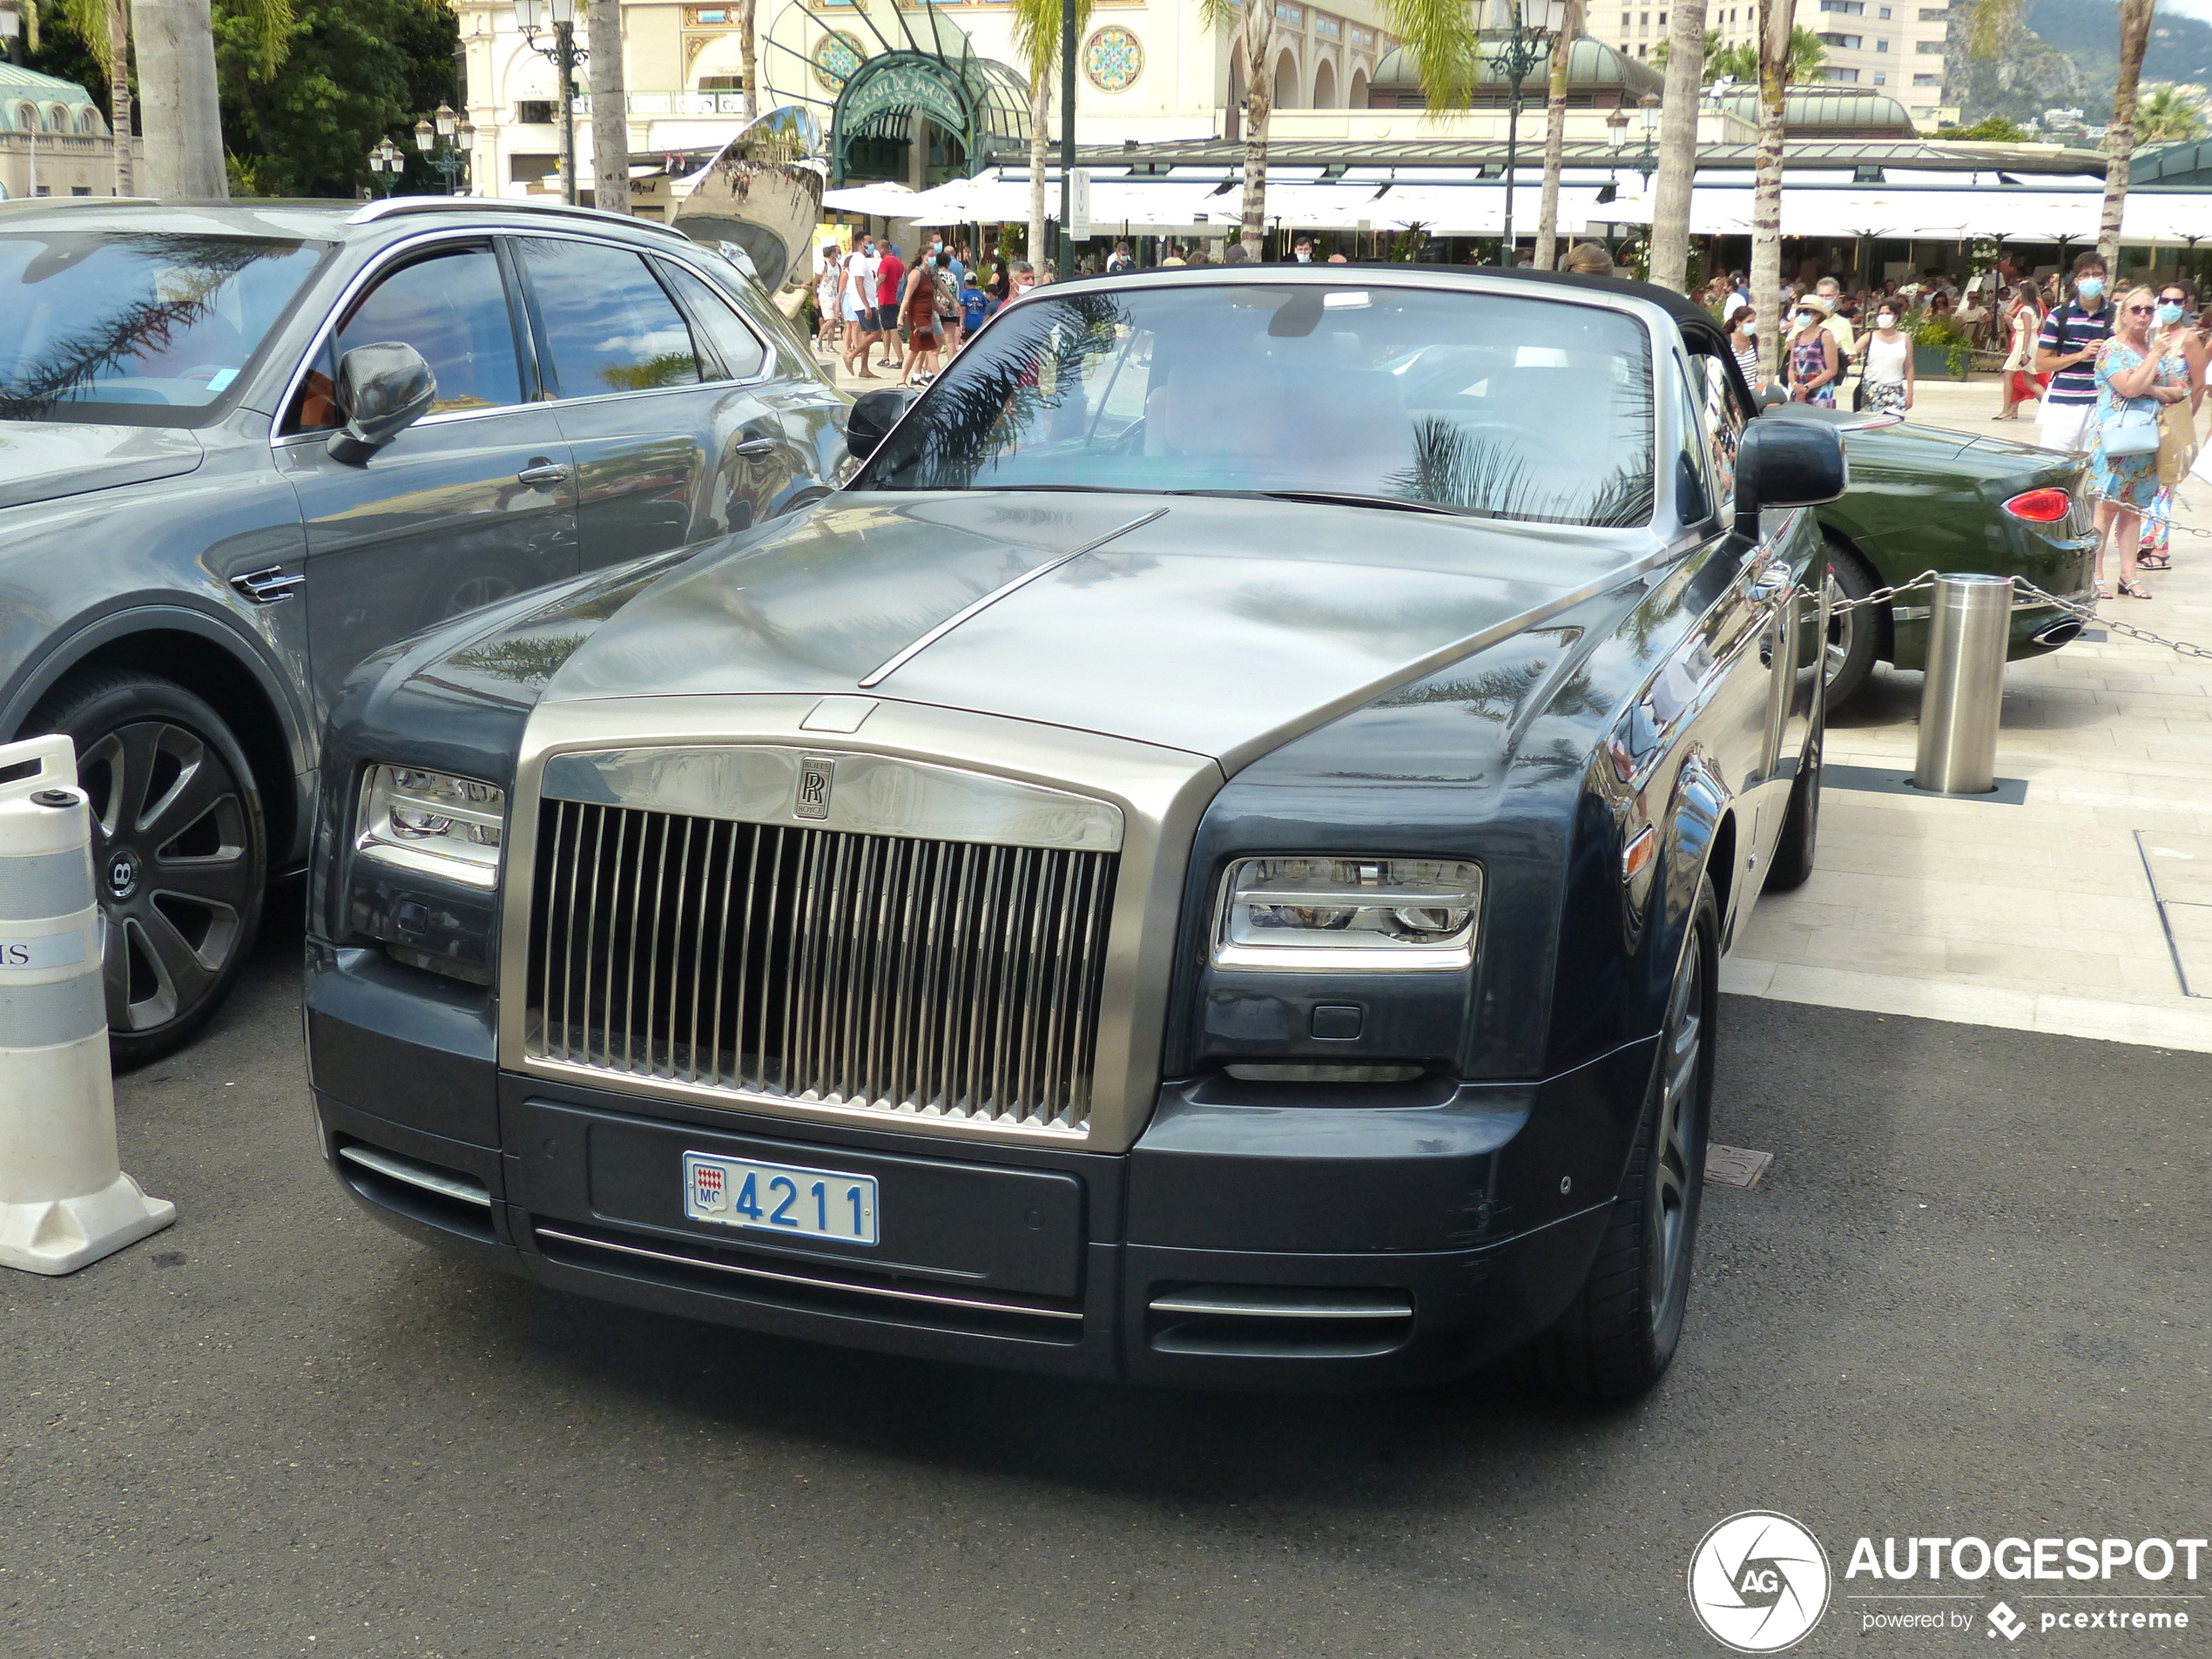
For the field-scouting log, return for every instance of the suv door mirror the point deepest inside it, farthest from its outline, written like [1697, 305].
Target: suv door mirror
[873, 415]
[382, 391]
[1781, 463]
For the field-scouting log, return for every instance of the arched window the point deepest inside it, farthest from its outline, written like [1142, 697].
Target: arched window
[57, 117]
[88, 121]
[1358, 99]
[1286, 87]
[26, 117]
[1325, 85]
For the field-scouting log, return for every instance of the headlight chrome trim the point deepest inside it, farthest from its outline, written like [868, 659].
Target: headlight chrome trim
[1363, 897]
[431, 823]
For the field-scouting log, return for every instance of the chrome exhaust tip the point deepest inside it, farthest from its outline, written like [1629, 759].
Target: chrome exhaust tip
[2060, 632]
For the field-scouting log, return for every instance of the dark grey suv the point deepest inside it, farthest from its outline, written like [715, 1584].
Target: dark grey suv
[213, 503]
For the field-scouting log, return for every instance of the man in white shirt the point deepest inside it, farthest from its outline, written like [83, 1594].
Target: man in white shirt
[1831, 292]
[857, 299]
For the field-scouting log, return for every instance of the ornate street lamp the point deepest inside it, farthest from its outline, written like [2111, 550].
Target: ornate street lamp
[564, 54]
[1646, 163]
[1525, 42]
[444, 144]
[385, 164]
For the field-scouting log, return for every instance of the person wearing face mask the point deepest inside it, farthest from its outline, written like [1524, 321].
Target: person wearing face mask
[2136, 375]
[1814, 363]
[2178, 345]
[2066, 351]
[1302, 251]
[1888, 364]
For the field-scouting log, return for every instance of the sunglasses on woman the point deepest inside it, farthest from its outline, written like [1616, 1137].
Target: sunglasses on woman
[2140, 311]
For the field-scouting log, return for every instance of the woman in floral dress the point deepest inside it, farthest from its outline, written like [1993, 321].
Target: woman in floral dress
[2129, 373]
[2177, 299]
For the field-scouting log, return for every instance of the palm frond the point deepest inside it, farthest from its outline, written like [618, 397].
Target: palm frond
[1438, 39]
[270, 25]
[1037, 35]
[89, 18]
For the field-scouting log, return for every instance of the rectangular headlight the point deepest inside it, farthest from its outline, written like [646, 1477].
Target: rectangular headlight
[1348, 915]
[432, 823]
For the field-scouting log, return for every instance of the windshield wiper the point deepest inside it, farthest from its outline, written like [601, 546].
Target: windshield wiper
[1339, 498]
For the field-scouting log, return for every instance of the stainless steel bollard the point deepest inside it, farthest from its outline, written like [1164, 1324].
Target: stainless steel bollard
[1968, 628]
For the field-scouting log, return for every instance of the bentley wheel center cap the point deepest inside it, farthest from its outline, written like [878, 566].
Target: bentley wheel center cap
[123, 873]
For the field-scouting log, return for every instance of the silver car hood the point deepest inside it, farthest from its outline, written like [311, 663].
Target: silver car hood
[42, 460]
[1212, 625]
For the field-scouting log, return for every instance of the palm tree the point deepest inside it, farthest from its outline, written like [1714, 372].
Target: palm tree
[1251, 26]
[176, 62]
[1718, 58]
[2119, 137]
[1670, 263]
[104, 27]
[1570, 26]
[184, 116]
[749, 58]
[609, 107]
[1037, 44]
[1775, 43]
[2165, 116]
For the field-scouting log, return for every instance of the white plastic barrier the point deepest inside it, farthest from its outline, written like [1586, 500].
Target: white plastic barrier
[65, 1200]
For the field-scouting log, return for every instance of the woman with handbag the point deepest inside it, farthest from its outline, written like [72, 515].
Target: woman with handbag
[2018, 380]
[2133, 380]
[2177, 445]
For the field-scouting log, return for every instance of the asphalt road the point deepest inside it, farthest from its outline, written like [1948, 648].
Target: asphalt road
[1969, 1299]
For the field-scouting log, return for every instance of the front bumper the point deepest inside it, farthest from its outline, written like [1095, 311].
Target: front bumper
[1250, 1238]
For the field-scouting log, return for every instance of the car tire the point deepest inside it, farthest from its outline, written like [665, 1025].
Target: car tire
[180, 858]
[1855, 637]
[1794, 851]
[1621, 1331]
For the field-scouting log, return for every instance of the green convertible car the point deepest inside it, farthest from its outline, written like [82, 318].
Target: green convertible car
[1924, 498]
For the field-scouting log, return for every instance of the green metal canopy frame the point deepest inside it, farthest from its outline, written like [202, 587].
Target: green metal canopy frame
[978, 100]
[911, 60]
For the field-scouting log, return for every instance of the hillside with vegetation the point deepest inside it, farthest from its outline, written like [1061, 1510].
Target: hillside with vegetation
[2066, 54]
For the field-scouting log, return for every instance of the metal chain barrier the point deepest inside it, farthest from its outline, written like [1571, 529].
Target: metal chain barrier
[2107, 620]
[1837, 605]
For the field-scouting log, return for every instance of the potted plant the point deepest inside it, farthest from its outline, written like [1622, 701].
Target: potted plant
[1941, 349]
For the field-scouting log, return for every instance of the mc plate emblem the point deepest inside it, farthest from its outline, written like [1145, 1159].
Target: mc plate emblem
[817, 775]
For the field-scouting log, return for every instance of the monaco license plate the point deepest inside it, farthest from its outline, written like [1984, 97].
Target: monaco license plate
[779, 1198]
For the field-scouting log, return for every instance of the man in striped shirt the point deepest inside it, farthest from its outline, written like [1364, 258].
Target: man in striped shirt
[2066, 350]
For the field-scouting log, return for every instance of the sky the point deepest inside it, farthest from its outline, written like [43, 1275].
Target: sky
[2200, 8]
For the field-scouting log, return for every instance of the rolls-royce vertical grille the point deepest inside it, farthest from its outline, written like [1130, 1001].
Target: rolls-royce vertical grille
[931, 979]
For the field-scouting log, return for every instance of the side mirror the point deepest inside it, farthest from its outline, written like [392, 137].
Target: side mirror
[1786, 463]
[382, 391]
[873, 415]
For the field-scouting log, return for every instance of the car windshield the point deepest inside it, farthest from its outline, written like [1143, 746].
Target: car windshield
[1464, 402]
[148, 329]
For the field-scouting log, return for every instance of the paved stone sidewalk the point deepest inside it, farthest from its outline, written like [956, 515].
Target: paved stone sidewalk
[2039, 916]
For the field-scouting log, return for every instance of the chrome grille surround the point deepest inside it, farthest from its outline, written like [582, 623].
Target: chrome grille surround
[883, 973]
[944, 777]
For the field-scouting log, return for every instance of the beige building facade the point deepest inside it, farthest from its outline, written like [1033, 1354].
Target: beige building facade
[1149, 70]
[1892, 46]
[53, 139]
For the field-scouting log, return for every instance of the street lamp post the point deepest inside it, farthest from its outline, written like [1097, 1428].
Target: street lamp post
[1647, 163]
[385, 164]
[1523, 47]
[445, 144]
[564, 54]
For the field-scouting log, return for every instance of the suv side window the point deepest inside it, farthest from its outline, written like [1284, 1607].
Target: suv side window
[606, 322]
[741, 351]
[450, 306]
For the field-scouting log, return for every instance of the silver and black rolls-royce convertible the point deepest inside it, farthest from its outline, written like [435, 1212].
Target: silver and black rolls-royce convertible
[1206, 861]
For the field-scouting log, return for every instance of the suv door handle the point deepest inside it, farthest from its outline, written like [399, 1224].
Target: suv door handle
[269, 587]
[752, 448]
[541, 471]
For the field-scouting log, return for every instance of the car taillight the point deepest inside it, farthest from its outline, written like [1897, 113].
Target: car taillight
[2041, 506]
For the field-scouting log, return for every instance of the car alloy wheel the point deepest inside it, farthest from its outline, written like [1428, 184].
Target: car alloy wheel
[1853, 635]
[174, 871]
[180, 856]
[1617, 1335]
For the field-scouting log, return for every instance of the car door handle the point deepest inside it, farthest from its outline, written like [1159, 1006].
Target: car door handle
[752, 448]
[269, 587]
[541, 471]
